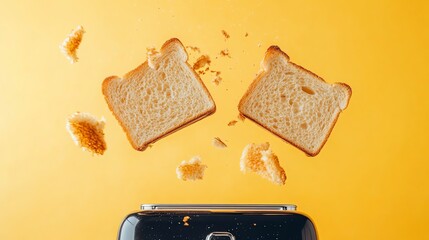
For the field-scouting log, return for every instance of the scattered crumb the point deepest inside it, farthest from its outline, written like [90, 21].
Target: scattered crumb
[225, 53]
[71, 44]
[87, 132]
[192, 170]
[201, 62]
[185, 220]
[241, 117]
[225, 34]
[260, 159]
[259, 44]
[216, 142]
[232, 123]
[217, 78]
[246, 34]
[195, 49]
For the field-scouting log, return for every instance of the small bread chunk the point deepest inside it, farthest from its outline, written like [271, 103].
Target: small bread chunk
[216, 142]
[294, 103]
[217, 78]
[260, 159]
[225, 34]
[232, 123]
[159, 97]
[87, 132]
[225, 53]
[71, 44]
[185, 221]
[192, 170]
[202, 61]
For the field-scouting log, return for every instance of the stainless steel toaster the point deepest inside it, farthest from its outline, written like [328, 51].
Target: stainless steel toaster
[217, 222]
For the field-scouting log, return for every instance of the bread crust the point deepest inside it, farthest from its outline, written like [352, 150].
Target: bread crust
[140, 68]
[272, 51]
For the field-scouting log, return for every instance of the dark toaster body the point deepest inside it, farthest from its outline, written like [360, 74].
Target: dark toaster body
[217, 222]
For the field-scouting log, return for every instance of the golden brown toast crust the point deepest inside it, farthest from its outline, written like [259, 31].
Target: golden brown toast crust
[108, 80]
[273, 51]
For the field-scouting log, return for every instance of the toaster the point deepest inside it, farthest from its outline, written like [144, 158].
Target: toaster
[217, 222]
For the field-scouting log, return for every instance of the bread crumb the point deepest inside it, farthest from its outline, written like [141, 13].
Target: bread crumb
[217, 79]
[225, 53]
[191, 170]
[260, 159]
[259, 44]
[185, 220]
[241, 117]
[232, 123]
[71, 44]
[87, 132]
[225, 34]
[201, 62]
[246, 34]
[216, 142]
[195, 49]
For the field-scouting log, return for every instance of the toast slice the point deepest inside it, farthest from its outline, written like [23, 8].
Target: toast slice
[294, 103]
[159, 97]
[260, 159]
[191, 170]
[87, 132]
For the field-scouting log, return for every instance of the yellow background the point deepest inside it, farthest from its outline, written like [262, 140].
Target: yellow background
[369, 182]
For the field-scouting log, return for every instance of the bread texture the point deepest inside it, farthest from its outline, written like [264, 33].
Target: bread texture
[294, 103]
[260, 159]
[159, 97]
[87, 132]
[192, 170]
[71, 44]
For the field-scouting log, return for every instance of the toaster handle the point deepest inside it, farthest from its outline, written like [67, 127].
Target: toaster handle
[241, 207]
[220, 234]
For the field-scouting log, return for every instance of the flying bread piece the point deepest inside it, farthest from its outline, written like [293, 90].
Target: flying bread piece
[87, 132]
[192, 170]
[294, 103]
[159, 97]
[71, 44]
[260, 159]
[217, 142]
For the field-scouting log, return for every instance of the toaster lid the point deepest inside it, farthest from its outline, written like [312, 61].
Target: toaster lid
[217, 207]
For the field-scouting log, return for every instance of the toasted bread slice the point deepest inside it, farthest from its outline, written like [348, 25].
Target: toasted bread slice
[192, 170]
[294, 103]
[260, 159]
[158, 98]
[71, 44]
[87, 132]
